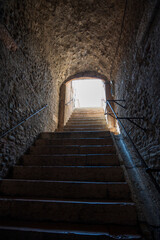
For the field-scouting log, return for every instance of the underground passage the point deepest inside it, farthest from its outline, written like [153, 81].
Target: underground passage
[70, 167]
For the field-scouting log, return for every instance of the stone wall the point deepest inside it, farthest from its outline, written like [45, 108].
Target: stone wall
[26, 86]
[137, 80]
[69, 101]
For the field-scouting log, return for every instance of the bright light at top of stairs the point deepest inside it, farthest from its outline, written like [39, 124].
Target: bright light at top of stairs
[89, 92]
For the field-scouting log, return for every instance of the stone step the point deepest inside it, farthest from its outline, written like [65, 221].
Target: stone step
[101, 115]
[65, 189]
[67, 129]
[101, 112]
[86, 122]
[93, 126]
[90, 110]
[76, 141]
[87, 118]
[72, 149]
[87, 134]
[84, 114]
[25, 233]
[97, 127]
[70, 173]
[71, 160]
[87, 115]
[71, 211]
[16, 230]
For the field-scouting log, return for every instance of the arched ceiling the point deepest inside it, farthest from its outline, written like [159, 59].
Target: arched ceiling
[76, 36]
[71, 36]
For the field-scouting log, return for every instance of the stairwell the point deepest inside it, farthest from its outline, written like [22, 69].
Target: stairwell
[70, 186]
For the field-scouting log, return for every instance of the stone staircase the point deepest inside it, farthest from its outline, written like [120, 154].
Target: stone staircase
[70, 186]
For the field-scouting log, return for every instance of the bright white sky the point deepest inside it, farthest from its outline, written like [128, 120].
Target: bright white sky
[89, 92]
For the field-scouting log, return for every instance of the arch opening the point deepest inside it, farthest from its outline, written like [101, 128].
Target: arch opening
[83, 91]
[88, 93]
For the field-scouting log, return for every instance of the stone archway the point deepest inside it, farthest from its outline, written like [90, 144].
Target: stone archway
[63, 93]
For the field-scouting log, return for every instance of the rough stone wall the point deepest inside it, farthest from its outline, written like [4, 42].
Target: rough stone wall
[137, 79]
[26, 86]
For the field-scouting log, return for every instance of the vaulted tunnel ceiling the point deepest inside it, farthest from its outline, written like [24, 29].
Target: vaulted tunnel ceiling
[72, 36]
[77, 35]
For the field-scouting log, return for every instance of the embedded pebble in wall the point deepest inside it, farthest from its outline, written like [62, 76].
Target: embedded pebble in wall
[12, 138]
[21, 128]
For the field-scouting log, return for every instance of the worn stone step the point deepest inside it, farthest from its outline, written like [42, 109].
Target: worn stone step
[25, 233]
[79, 110]
[88, 112]
[91, 126]
[70, 173]
[100, 127]
[87, 117]
[70, 211]
[83, 114]
[71, 160]
[65, 129]
[16, 230]
[72, 149]
[87, 134]
[85, 121]
[76, 141]
[65, 189]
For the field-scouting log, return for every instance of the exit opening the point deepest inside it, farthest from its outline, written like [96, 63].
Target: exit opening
[82, 93]
[88, 93]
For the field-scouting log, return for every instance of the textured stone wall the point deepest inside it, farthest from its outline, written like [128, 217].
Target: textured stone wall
[137, 80]
[26, 86]
[69, 101]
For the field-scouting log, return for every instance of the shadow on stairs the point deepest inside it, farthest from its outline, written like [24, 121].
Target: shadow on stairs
[70, 186]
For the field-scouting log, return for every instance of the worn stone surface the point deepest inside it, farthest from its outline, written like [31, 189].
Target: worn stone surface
[76, 159]
[137, 81]
[66, 189]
